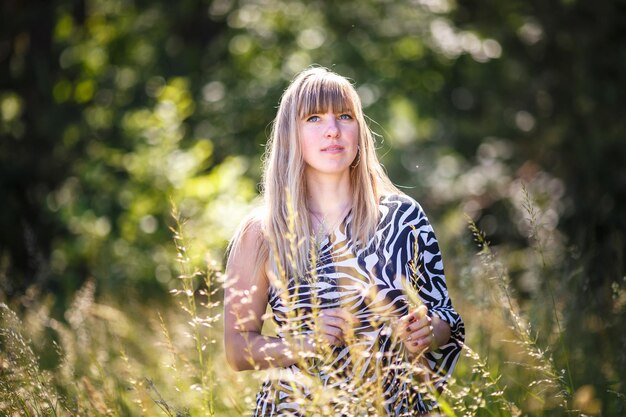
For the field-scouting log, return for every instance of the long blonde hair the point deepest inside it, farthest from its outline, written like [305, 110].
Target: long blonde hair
[315, 90]
[287, 230]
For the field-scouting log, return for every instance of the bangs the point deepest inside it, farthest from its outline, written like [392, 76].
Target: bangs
[319, 95]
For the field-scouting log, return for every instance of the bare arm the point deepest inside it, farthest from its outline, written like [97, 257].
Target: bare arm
[245, 300]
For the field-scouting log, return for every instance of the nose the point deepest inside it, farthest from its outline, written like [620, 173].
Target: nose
[332, 128]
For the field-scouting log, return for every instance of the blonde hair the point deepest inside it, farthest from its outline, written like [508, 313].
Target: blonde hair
[284, 188]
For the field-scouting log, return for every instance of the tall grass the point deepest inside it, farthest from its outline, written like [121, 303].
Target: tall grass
[105, 358]
[547, 384]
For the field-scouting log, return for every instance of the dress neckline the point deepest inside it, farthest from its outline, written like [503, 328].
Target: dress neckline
[324, 238]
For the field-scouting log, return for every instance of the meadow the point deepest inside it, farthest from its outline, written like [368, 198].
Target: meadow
[116, 355]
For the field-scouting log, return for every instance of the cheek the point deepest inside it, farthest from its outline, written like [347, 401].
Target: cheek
[307, 145]
[354, 136]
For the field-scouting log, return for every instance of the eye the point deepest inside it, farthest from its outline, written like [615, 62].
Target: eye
[312, 118]
[345, 116]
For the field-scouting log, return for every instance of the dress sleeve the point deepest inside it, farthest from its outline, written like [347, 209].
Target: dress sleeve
[425, 274]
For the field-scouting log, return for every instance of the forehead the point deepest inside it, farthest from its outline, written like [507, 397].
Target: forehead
[322, 94]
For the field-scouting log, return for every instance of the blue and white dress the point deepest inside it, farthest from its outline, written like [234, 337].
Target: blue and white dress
[374, 282]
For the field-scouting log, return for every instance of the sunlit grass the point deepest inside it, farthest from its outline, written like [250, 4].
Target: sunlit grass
[111, 359]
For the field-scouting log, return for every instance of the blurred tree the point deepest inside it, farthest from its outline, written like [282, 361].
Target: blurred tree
[96, 97]
[109, 108]
[555, 95]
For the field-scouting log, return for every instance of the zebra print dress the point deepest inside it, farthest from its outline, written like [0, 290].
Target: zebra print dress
[375, 282]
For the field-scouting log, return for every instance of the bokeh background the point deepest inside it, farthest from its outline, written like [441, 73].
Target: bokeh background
[509, 113]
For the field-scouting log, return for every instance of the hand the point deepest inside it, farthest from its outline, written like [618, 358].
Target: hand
[416, 331]
[334, 326]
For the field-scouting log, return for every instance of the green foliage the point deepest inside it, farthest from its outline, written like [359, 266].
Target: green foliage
[110, 110]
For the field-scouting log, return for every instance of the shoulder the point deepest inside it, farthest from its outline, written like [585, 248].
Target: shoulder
[403, 205]
[407, 216]
[249, 236]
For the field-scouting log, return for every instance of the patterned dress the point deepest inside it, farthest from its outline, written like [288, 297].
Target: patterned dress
[378, 283]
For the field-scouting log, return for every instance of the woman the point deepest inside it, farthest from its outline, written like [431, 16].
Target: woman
[349, 265]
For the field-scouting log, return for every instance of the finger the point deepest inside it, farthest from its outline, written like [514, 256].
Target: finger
[410, 317]
[333, 312]
[398, 327]
[421, 342]
[347, 319]
[331, 331]
[327, 339]
[424, 332]
[402, 327]
[419, 324]
[407, 318]
[421, 311]
[333, 335]
[334, 341]
[326, 319]
[417, 313]
[341, 313]
[414, 347]
[419, 345]
[333, 321]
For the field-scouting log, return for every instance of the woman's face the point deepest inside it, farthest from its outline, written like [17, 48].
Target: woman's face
[329, 142]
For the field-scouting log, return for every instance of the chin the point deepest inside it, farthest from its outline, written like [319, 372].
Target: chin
[335, 170]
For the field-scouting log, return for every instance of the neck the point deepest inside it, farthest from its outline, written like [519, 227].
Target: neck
[329, 197]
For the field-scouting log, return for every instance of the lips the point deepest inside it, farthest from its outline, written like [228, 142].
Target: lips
[333, 148]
